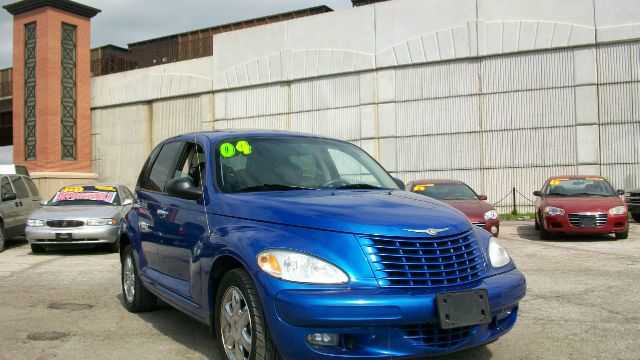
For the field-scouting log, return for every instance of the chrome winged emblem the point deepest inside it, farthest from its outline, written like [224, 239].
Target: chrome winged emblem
[430, 231]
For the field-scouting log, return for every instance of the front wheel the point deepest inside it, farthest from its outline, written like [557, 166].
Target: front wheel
[241, 328]
[136, 297]
[623, 235]
[544, 234]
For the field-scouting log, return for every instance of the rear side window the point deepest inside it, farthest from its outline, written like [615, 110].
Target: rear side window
[163, 167]
[32, 187]
[5, 186]
[20, 186]
[22, 170]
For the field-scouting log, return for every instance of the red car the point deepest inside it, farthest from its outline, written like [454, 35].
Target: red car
[580, 204]
[462, 197]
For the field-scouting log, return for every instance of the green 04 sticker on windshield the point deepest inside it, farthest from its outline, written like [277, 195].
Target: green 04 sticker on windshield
[228, 149]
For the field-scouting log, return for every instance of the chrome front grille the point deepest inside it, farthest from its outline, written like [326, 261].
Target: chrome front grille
[575, 218]
[427, 262]
[479, 224]
[64, 223]
[431, 335]
[633, 199]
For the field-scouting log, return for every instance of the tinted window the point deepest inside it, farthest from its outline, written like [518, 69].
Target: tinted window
[127, 193]
[20, 186]
[296, 163]
[192, 165]
[163, 167]
[85, 195]
[580, 187]
[5, 186]
[32, 187]
[446, 191]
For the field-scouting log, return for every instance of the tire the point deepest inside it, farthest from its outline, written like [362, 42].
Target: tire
[115, 247]
[636, 217]
[37, 249]
[544, 234]
[237, 286]
[135, 297]
[623, 235]
[536, 224]
[3, 238]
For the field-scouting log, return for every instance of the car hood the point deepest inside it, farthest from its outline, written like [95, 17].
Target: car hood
[75, 212]
[473, 209]
[360, 212]
[584, 203]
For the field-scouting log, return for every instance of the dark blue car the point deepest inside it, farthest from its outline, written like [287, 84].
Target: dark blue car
[304, 247]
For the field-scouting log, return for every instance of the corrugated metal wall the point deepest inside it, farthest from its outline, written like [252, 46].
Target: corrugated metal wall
[494, 122]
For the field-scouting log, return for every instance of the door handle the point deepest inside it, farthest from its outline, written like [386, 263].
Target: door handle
[20, 202]
[17, 204]
[162, 213]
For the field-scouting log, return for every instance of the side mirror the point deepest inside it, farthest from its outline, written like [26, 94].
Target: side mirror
[620, 192]
[44, 202]
[482, 197]
[127, 202]
[183, 188]
[537, 193]
[400, 183]
[9, 196]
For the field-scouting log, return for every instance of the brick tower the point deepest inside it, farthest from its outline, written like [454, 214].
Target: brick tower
[51, 100]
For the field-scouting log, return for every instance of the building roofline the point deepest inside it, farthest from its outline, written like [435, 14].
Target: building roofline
[66, 5]
[315, 8]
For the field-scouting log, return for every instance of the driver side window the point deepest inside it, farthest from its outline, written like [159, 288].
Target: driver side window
[5, 186]
[192, 165]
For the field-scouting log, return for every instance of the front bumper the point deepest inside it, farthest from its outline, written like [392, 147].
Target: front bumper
[559, 224]
[383, 323]
[44, 235]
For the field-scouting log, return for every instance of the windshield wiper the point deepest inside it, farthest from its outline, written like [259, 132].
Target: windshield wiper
[273, 187]
[360, 186]
[557, 194]
[589, 194]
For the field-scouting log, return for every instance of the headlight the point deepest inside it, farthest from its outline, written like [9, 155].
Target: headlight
[497, 254]
[35, 222]
[553, 210]
[100, 222]
[618, 210]
[297, 267]
[491, 215]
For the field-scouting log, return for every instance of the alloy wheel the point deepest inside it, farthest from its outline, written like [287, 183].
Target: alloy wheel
[129, 279]
[235, 325]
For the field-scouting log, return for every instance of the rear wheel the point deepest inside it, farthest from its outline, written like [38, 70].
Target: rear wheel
[623, 235]
[636, 217]
[37, 249]
[241, 328]
[136, 297]
[3, 238]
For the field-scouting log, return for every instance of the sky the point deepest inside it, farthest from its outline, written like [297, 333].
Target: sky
[125, 21]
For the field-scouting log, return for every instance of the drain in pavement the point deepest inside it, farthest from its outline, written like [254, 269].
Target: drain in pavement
[69, 306]
[47, 336]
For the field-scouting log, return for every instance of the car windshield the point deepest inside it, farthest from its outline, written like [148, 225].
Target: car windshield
[251, 164]
[579, 187]
[446, 191]
[86, 195]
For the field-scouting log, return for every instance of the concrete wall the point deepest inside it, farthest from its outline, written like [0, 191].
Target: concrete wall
[497, 93]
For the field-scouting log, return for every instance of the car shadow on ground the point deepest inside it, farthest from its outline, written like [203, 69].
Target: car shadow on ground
[527, 231]
[478, 353]
[15, 243]
[181, 328]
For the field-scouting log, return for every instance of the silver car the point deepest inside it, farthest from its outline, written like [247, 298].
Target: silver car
[80, 214]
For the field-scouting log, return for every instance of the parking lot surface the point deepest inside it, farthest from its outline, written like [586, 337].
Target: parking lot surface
[582, 303]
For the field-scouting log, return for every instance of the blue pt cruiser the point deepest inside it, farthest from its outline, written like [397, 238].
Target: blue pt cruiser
[303, 247]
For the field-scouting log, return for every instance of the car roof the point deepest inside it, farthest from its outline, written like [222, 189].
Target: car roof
[226, 133]
[93, 184]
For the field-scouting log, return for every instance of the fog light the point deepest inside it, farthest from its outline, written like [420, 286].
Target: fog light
[323, 339]
[504, 314]
[494, 230]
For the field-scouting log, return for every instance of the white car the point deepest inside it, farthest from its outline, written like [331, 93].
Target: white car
[80, 215]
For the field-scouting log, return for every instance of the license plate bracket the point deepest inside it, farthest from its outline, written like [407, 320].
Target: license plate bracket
[64, 236]
[463, 308]
[588, 221]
